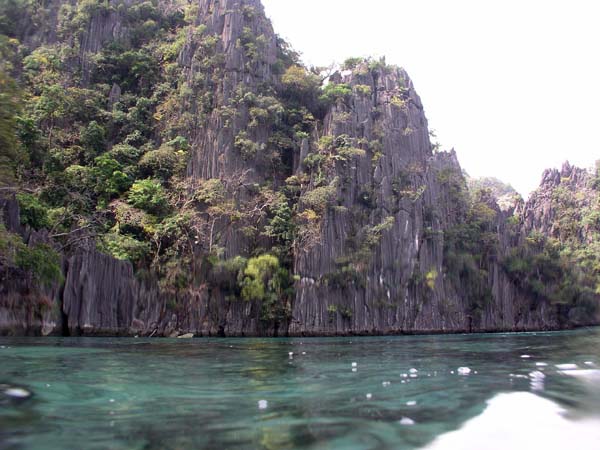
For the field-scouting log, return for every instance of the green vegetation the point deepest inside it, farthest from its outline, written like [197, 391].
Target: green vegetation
[265, 281]
[42, 262]
[333, 93]
[39, 263]
[95, 141]
[148, 195]
[148, 146]
[564, 268]
[469, 249]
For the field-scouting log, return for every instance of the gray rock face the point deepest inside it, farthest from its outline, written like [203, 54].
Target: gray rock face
[540, 212]
[24, 308]
[97, 295]
[408, 183]
[376, 261]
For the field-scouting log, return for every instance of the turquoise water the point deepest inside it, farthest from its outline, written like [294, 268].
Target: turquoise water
[96, 393]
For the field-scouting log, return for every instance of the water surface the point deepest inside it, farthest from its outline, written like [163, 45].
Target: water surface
[96, 393]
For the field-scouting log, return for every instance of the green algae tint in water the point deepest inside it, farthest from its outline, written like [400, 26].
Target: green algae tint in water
[92, 393]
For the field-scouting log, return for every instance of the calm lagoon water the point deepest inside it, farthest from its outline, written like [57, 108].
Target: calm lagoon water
[530, 390]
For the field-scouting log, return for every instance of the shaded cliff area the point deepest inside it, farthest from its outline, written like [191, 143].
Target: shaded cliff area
[174, 168]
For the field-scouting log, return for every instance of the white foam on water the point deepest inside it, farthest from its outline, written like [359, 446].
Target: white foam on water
[512, 375]
[404, 375]
[588, 375]
[413, 370]
[386, 383]
[411, 403]
[464, 371]
[406, 421]
[521, 420]
[17, 393]
[589, 363]
[567, 366]
[263, 404]
[541, 364]
[369, 396]
[354, 364]
[537, 374]
[525, 356]
[354, 369]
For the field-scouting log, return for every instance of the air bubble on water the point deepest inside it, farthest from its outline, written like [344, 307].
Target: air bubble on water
[464, 371]
[291, 354]
[541, 364]
[112, 400]
[589, 363]
[2, 346]
[354, 364]
[304, 353]
[263, 404]
[17, 392]
[452, 372]
[413, 370]
[386, 383]
[47, 385]
[404, 375]
[406, 421]
[369, 396]
[403, 382]
[525, 356]
[354, 369]
[411, 403]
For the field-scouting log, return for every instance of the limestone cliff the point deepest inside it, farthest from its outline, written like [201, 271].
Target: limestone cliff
[386, 237]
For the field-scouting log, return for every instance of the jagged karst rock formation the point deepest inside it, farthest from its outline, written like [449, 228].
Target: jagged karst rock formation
[387, 238]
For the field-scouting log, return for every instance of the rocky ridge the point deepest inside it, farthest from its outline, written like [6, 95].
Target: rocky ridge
[384, 221]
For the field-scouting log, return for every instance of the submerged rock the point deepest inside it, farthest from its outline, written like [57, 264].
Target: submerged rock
[186, 336]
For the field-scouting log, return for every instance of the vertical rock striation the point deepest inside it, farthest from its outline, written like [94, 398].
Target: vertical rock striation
[382, 215]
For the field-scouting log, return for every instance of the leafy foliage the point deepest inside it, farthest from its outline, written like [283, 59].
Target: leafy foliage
[148, 195]
[33, 213]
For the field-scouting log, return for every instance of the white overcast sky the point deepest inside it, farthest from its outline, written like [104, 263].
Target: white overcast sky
[512, 85]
